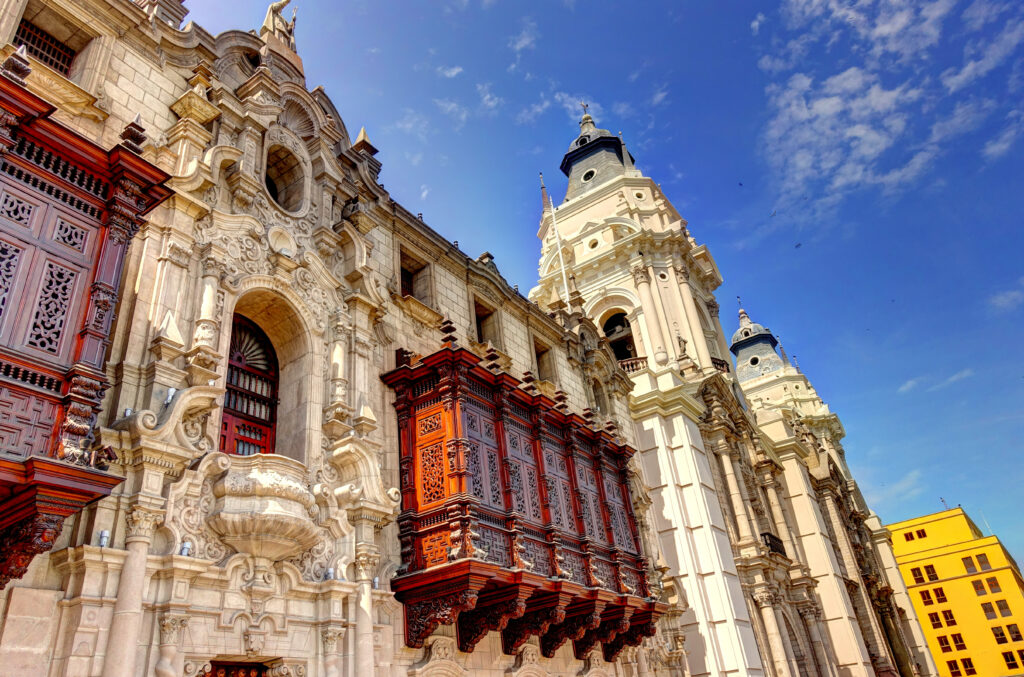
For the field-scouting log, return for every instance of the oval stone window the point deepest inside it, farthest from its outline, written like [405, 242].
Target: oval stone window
[285, 179]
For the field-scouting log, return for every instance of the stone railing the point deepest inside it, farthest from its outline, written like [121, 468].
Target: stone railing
[633, 364]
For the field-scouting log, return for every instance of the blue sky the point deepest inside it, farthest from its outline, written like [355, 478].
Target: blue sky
[854, 166]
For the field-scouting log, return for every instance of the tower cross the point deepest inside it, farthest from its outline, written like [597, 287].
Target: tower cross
[585, 106]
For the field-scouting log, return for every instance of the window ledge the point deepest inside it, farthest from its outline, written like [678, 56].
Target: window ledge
[47, 83]
[419, 311]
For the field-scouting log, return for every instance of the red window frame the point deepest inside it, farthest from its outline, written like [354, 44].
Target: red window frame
[249, 421]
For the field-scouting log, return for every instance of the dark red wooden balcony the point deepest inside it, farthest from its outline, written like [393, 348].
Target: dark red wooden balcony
[516, 514]
[68, 210]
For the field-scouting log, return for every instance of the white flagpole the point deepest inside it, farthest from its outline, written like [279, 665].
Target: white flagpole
[558, 242]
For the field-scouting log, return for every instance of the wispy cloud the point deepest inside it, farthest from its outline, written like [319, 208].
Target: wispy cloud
[570, 103]
[990, 54]
[424, 191]
[414, 159]
[910, 384]
[1001, 144]
[525, 39]
[488, 100]
[955, 378]
[533, 111]
[659, 95]
[413, 123]
[457, 112]
[1008, 299]
[906, 487]
[449, 72]
[755, 25]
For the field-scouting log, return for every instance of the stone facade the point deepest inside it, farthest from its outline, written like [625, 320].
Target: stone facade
[278, 561]
[775, 564]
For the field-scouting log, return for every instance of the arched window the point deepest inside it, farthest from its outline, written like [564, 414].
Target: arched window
[620, 336]
[250, 405]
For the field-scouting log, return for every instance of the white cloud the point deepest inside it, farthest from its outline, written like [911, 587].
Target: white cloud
[449, 72]
[533, 111]
[458, 113]
[414, 158]
[910, 384]
[755, 25]
[659, 95]
[1006, 300]
[982, 12]
[525, 38]
[955, 378]
[488, 100]
[906, 487]
[424, 192]
[1000, 145]
[623, 109]
[966, 116]
[413, 123]
[991, 54]
[570, 103]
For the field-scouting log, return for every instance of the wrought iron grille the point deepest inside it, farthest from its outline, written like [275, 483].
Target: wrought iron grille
[44, 47]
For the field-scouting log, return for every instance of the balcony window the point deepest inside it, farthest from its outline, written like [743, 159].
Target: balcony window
[620, 336]
[250, 404]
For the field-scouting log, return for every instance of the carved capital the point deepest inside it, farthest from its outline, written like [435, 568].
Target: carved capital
[331, 638]
[141, 522]
[170, 629]
[682, 274]
[366, 565]
[640, 275]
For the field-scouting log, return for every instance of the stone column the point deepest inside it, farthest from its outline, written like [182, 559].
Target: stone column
[366, 566]
[693, 318]
[332, 652]
[170, 631]
[812, 618]
[779, 517]
[206, 331]
[123, 638]
[787, 643]
[642, 279]
[736, 493]
[765, 600]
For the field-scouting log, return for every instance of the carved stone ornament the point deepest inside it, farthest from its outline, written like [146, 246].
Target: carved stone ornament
[640, 275]
[141, 522]
[423, 617]
[171, 627]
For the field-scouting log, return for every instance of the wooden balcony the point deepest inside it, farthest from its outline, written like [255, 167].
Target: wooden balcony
[68, 210]
[516, 514]
[720, 365]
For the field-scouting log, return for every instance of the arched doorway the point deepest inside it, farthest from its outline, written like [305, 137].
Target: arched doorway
[620, 336]
[250, 404]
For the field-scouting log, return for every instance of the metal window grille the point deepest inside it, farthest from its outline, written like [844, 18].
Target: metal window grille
[44, 47]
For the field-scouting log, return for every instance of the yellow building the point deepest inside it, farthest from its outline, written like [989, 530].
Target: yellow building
[967, 591]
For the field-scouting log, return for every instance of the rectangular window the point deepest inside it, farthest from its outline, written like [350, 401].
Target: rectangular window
[954, 669]
[916, 573]
[921, 533]
[969, 565]
[983, 562]
[926, 598]
[990, 611]
[1020, 654]
[979, 588]
[486, 323]
[934, 618]
[993, 584]
[1000, 635]
[1014, 632]
[1004, 608]
[44, 47]
[929, 571]
[1011, 662]
[545, 361]
[968, 666]
[958, 641]
[909, 535]
[415, 278]
[944, 643]
[947, 616]
[940, 595]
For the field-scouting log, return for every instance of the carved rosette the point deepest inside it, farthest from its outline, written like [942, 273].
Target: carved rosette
[22, 541]
[423, 617]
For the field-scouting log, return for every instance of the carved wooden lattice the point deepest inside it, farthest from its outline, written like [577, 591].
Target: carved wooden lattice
[506, 501]
[10, 255]
[51, 307]
[69, 234]
[16, 210]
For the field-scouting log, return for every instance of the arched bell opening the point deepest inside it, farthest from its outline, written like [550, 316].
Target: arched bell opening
[620, 336]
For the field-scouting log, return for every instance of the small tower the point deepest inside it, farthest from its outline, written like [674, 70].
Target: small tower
[754, 348]
[594, 157]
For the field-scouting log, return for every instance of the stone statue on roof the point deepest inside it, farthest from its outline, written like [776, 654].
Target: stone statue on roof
[276, 23]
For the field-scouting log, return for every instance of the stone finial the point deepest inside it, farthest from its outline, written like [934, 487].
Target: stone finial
[363, 144]
[744, 318]
[17, 67]
[448, 331]
[134, 135]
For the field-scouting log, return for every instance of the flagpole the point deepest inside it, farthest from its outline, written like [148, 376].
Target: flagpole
[558, 241]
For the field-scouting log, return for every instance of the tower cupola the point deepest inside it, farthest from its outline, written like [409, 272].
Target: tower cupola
[595, 156]
[754, 348]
